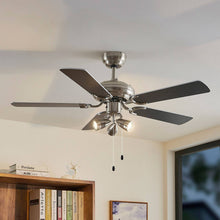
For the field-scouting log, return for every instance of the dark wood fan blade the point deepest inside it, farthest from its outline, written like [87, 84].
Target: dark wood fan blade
[99, 116]
[187, 89]
[161, 115]
[45, 104]
[86, 81]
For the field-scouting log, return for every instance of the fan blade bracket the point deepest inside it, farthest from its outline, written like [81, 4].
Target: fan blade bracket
[132, 100]
[132, 112]
[84, 105]
[138, 108]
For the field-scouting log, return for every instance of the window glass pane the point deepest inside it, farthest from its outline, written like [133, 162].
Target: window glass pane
[201, 185]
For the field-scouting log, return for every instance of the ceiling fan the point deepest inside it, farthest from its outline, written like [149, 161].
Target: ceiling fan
[117, 95]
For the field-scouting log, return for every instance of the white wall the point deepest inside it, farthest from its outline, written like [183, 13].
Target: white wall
[170, 147]
[138, 178]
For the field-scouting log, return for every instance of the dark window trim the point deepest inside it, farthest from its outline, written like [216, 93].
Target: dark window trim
[178, 172]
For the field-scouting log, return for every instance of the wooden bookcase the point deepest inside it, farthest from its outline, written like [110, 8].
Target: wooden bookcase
[14, 194]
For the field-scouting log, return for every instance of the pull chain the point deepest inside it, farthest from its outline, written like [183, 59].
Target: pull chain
[122, 145]
[113, 153]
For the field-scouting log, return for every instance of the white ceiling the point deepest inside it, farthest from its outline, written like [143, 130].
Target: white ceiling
[167, 43]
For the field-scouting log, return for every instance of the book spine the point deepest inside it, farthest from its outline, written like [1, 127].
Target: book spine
[81, 205]
[34, 204]
[64, 205]
[42, 204]
[54, 205]
[59, 204]
[29, 173]
[37, 204]
[47, 204]
[69, 205]
[75, 206]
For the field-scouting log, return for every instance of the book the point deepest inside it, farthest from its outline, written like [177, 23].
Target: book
[80, 205]
[63, 204]
[47, 204]
[75, 206]
[59, 204]
[54, 204]
[29, 173]
[37, 204]
[69, 205]
[19, 166]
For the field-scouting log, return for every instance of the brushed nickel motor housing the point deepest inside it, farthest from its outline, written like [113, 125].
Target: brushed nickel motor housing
[119, 89]
[114, 59]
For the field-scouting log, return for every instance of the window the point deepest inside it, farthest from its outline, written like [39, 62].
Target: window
[197, 178]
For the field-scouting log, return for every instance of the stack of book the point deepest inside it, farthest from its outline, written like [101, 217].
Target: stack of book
[22, 169]
[46, 204]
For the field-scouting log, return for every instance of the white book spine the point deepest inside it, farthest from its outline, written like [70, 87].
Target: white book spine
[54, 205]
[29, 173]
[42, 204]
[64, 205]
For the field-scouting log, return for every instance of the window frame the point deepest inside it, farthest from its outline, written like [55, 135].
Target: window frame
[178, 172]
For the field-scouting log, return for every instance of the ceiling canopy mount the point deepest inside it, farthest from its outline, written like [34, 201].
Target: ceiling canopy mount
[114, 59]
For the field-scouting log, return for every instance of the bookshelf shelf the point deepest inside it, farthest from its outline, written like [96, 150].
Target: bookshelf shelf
[14, 193]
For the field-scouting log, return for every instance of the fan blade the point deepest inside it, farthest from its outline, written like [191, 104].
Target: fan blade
[86, 81]
[187, 89]
[45, 104]
[161, 115]
[99, 116]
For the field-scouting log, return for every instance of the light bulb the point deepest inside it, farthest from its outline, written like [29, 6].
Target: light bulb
[97, 125]
[125, 124]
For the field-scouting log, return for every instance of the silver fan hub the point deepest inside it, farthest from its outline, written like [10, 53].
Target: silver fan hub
[119, 89]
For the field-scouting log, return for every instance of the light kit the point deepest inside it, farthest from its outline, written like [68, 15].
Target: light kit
[113, 127]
